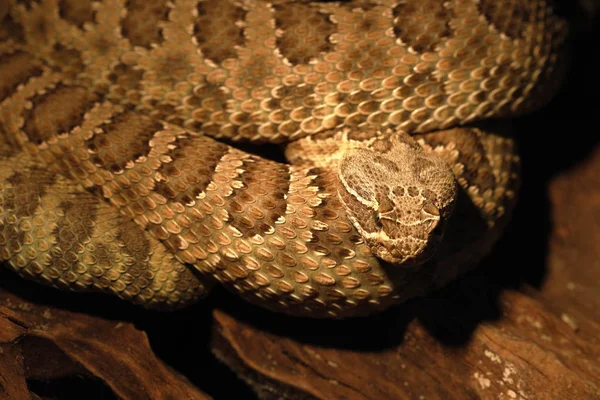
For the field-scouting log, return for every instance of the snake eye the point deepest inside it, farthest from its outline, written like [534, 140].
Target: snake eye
[431, 209]
[385, 205]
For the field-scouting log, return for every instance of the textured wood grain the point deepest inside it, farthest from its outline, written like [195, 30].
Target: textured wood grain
[536, 350]
[573, 246]
[42, 344]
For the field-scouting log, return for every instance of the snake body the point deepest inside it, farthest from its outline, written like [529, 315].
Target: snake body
[115, 176]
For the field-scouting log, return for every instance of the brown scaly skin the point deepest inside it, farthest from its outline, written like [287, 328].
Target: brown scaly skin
[109, 184]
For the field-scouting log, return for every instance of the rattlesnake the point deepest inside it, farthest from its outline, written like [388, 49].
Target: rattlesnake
[117, 176]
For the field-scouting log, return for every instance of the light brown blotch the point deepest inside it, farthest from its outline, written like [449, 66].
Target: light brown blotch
[193, 163]
[126, 76]
[124, 139]
[323, 234]
[9, 28]
[422, 25]
[9, 144]
[28, 3]
[39, 26]
[508, 16]
[364, 5]
[16, 69]
[58, 110]
[67, 60]
[170, 65]
[304, 32]
[77, 12]
[28, 187]
[141, 24]
[268, 183]
[135, 244]
[323, 178]
[217, 30]
[73, 229]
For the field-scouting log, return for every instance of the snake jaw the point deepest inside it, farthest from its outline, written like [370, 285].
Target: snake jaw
[406, 241]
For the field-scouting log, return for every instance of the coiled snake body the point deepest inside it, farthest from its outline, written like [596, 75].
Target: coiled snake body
[113, 180]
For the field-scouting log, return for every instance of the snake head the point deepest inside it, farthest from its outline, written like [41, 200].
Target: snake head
[398, 197]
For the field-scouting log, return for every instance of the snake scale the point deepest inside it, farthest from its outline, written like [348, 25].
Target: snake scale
[118, 120]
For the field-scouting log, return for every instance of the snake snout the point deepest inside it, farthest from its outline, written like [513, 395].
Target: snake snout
[409, 228]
